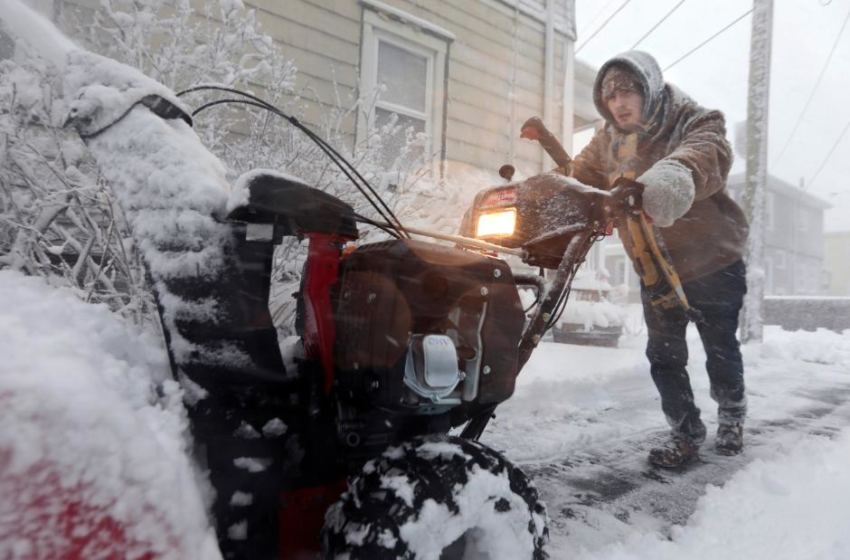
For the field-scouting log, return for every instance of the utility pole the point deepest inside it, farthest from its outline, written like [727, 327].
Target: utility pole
[752, 322]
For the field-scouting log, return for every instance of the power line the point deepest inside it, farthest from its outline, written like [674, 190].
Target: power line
[831, 151]
[601, 27]
[654, 27]
[814, 89]
[701, 45]
[589, 24]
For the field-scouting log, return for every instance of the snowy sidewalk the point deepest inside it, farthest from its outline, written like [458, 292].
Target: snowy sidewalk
[583, 419]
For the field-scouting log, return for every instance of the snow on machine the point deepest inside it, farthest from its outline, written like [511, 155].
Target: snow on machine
[400, 341]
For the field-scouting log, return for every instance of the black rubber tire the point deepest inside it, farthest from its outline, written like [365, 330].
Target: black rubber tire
[437, 493]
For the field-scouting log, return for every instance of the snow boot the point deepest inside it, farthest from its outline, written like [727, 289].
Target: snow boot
[674, 452]
[729, 440]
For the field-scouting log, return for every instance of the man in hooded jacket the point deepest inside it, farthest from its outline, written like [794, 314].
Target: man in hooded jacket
[657, 135]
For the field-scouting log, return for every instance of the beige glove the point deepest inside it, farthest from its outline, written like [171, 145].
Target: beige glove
[668, 191]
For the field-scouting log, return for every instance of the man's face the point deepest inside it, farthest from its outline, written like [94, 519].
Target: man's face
[627, 108]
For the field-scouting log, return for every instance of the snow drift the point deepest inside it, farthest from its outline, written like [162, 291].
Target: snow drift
[93, 450]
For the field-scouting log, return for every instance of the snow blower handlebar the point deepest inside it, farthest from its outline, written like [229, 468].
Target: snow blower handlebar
[534, 129]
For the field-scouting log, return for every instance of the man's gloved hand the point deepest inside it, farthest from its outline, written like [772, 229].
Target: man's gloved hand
[627, 197]
[668, 191]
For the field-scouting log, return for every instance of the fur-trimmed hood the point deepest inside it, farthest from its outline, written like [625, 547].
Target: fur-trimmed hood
[647, 71]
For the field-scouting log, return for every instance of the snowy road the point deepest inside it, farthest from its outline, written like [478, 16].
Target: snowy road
[583, 419]
[581, 423]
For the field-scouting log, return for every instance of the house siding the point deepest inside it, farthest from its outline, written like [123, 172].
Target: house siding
[793, 240]
[837, 263]
[496, 67]
[495, 45]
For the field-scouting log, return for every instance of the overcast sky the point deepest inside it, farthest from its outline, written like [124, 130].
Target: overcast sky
[716, 75]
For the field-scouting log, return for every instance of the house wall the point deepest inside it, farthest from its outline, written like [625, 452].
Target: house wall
[794, 239]
[586, 114]
[496, 67]
[794, 246]
[495, 70]
[837, 263]
[796, 226]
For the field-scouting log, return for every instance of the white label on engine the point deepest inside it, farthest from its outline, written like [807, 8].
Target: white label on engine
[440, 361]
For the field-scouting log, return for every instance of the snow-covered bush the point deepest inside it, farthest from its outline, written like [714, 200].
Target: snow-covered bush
[57, 217]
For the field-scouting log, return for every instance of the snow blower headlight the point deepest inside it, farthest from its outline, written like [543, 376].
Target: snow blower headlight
[500, 223]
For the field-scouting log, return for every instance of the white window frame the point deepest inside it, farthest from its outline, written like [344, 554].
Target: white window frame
[381, 36]
[415, 40]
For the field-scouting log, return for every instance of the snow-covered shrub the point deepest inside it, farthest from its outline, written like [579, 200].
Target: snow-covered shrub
[58, 218]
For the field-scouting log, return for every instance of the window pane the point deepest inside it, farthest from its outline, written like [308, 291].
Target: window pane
[405, 75]
[403, 136]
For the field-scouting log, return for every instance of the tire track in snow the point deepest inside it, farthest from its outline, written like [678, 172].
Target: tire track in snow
[602, 494]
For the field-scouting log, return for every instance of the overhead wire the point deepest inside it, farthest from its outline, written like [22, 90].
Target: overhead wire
[814, 89]
[829, 155]
[654, 27]
[595, 17]
[704, 43]
[601, 27]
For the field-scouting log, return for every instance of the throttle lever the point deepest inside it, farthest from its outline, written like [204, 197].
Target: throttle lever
[626, 197]
[534, 129]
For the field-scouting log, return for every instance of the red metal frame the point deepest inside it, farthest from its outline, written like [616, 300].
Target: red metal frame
[302, 517]
[302, 512]
[323, 257]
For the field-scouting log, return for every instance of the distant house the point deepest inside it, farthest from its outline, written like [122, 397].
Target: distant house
[837, 263]
[794, 238]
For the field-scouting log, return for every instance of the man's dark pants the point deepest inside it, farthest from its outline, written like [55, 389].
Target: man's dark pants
[719, 296]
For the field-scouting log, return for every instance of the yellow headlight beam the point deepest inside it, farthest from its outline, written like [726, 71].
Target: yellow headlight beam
[501, 223]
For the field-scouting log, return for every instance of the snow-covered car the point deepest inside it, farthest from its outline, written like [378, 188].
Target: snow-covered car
[592, 318]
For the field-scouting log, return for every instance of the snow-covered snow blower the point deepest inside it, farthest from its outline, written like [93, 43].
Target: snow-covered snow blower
[401, 341]
[344, 450]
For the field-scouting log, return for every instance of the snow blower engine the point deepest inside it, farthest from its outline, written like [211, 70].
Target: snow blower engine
[404, 338]
[414, 337]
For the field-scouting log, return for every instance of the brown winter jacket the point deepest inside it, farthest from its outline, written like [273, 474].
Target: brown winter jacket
[712, 233]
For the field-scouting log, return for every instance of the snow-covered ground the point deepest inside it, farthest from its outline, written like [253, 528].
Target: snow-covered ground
[78, 393]
[583, 419]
